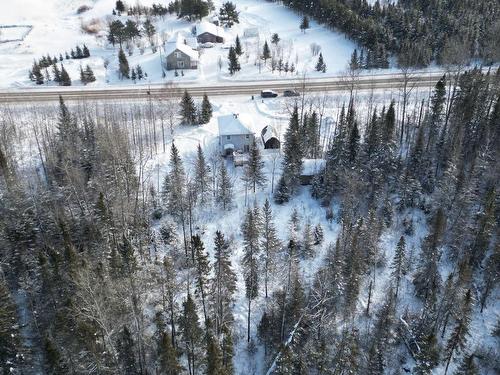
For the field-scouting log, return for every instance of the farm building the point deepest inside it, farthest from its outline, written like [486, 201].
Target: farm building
[234, 134]
[310, 169]
[270, 138]
[180, 53]
[208, 32]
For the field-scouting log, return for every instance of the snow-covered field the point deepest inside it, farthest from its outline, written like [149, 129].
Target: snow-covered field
[57, 28]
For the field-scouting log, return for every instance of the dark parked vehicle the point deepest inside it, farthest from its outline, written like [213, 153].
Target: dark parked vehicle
[268, 94]
[291, 93]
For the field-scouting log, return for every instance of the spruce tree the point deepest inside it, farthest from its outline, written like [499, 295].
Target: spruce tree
[126, 352]
[320, 65]
[37, 74]
[224, 194]
[202, 267]
[85, 51]
[174, 186]
[214, 358]
[399, 263]
[304, 25]
[206, 110]
[56, 73]
[167, 356]
[318, 234]
[270, 243]
[65, 80]
[123, 68]
[458, 338]
[467, 366]
[228, 14]
[202, 177]
[254, 170]
[191, 333]
[234, 65]
[223, 283]
[250, 260]
[275, 39]
[188, 109]
[266, 52]
[237, 46]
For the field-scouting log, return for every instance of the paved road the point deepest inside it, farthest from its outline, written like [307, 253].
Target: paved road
[141, 91]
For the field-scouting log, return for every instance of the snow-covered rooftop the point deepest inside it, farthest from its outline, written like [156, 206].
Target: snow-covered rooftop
[234, 124]
[269, 132]
[180, 42]
[207, 27]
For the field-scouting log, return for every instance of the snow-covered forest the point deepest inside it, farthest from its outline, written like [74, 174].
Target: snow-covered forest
[128, 245]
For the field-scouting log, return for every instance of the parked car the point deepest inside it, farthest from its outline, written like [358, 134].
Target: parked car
[291, 93]
[207, 45]
[268, 94]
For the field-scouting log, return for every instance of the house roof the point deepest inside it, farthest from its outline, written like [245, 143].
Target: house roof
[178, 42]
[234, 124]
[311, 167]
[269, 132]
[207, 27]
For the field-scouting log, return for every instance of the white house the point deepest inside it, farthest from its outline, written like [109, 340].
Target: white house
[235, 134]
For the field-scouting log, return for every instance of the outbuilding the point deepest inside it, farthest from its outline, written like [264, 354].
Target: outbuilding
[270, 138]
[310, 169]
[208, 32]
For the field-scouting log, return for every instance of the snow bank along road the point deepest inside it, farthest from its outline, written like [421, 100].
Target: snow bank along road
[141, 91]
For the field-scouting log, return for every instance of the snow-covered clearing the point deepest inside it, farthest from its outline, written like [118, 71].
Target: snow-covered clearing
[57, 28]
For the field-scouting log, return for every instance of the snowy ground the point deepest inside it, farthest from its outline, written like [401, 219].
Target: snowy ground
[57, 29]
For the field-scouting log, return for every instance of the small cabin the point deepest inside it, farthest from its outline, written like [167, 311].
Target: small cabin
[310, 169]
[270, 138]
[235, 134]
[208, 32]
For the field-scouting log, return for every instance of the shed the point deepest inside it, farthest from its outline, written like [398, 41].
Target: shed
[235, 133]
[310, 169]
[208, 32]
[270, 138]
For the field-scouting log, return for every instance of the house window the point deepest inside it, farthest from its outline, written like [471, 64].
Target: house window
[246, 148]
[228, 137]
[180, 64]
[177, 55]
[248, 136]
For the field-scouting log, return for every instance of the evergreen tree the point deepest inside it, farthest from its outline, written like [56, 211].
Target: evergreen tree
[133, 76]
[214, 358]
[292, 161]
[458, 338]
[266, 52]
[224, 195]
[275, 39]
[228, 15]
[237, 46]
[174, 186]
[57, 73]
[318, 234]
[304, 25]
[188, 109]
[467, 366]
[202, 177]
[206, 110]
[123, 67]
[270, 243]
[428, 357]
[399, 263]
[167, 356]
[234, 65]
[307, 241]
[191, 333]
[320, 65]
[126, 352]
[85, 51]
[79, 53]
[149, 29]
[223, 283]
[65, 80]
[202, 267]
[116, 33]
[9, 335]
[254, 169]
[120, 6]
[250, 264]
